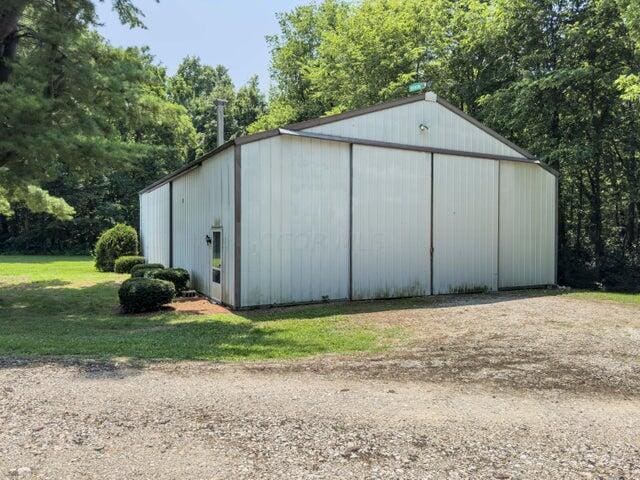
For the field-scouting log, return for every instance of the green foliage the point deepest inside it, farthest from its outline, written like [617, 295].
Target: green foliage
[149, 137]
[126, 263]
[83, 127]
[178, 276]
[116, 242]
[197, 87]
[140, 271]
[62, 100]
[145, 294]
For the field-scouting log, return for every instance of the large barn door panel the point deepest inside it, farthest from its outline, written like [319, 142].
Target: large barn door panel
[465, 224]
[391, 196]
[527, 225]
[295, 221]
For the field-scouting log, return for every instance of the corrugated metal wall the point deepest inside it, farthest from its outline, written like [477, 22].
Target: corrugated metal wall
[154, 225]
[465, 224]
[401, 125]
[391, 222]
[527, 225]
[295, 221]
[202, 199]
[493, 221]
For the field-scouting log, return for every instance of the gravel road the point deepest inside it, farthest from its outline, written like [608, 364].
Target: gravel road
[434, 409]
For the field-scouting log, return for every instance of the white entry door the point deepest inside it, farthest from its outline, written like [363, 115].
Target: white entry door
[216, 273]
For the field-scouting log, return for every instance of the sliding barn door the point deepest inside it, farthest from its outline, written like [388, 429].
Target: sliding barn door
[465, 224]
[391, 196]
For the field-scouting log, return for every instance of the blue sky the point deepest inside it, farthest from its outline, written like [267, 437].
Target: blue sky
[227, 32]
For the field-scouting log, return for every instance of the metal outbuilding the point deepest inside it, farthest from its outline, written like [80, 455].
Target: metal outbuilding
[407, 198]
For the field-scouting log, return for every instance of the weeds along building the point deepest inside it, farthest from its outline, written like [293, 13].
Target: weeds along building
[408, 198]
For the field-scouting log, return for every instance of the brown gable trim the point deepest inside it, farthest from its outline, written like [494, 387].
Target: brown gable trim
[350, 114]
[416, 148]
[257, 136]
[186, 167]
[354, 113]
[484, 128]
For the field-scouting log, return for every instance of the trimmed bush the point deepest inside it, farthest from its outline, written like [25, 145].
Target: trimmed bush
[125, 264]
[178, 276]
[145, 294]
[140, 270]
[116, 242]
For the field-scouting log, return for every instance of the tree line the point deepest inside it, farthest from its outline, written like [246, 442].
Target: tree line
[560, 78]
[84, 125]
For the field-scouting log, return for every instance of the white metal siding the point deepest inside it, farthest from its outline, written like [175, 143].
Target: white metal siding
[295, 234]
[202, 199]
[391, 222]
[527, 225]
[465, 224]
[154, 225]
[402, 125]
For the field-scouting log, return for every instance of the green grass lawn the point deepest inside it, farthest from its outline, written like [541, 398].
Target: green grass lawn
[61, 306]
[630, 298]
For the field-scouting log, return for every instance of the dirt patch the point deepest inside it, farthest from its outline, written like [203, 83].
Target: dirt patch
[197, 306]
[512, 340]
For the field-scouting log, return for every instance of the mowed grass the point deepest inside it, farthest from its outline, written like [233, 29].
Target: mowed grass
[61, 306]
[629, 298]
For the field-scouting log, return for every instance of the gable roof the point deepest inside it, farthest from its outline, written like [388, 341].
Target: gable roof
[294, 128]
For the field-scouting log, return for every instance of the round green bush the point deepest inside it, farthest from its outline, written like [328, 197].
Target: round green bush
[116, 242]
[178, 276]
[125, 264]
[145, 294]
[142, 270]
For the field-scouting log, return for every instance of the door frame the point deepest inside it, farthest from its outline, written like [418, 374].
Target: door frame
[215, 292]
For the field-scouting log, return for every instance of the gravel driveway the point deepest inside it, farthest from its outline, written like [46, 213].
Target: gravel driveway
[503, 386]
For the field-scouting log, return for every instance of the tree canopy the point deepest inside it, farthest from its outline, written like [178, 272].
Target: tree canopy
[84, 125]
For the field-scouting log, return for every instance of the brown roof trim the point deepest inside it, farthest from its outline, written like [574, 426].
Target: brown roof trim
[415, 148]
[548, 168]
[354, 113]
[186, 167]
[257, 136]
[484, 128]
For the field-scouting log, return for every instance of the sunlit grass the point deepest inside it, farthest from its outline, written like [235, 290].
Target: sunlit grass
[61, 306]
[629, 298]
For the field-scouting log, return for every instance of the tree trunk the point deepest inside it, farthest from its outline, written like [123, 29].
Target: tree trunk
[9, 16]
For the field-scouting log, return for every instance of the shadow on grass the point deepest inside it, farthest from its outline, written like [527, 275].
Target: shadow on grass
[51, 319]
[38, 284]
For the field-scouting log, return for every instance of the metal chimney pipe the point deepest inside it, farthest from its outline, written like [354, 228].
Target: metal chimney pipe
[220, 103]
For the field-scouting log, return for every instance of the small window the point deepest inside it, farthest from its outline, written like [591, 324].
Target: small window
[216, 256]
[216, 243]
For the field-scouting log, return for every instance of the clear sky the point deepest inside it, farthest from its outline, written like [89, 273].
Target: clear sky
[227, 32]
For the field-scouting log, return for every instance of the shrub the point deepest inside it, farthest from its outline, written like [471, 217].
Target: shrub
[125, 264]
[621, 273]
[178, 276]
[145, 294]
[114, 243]
[140, 270]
